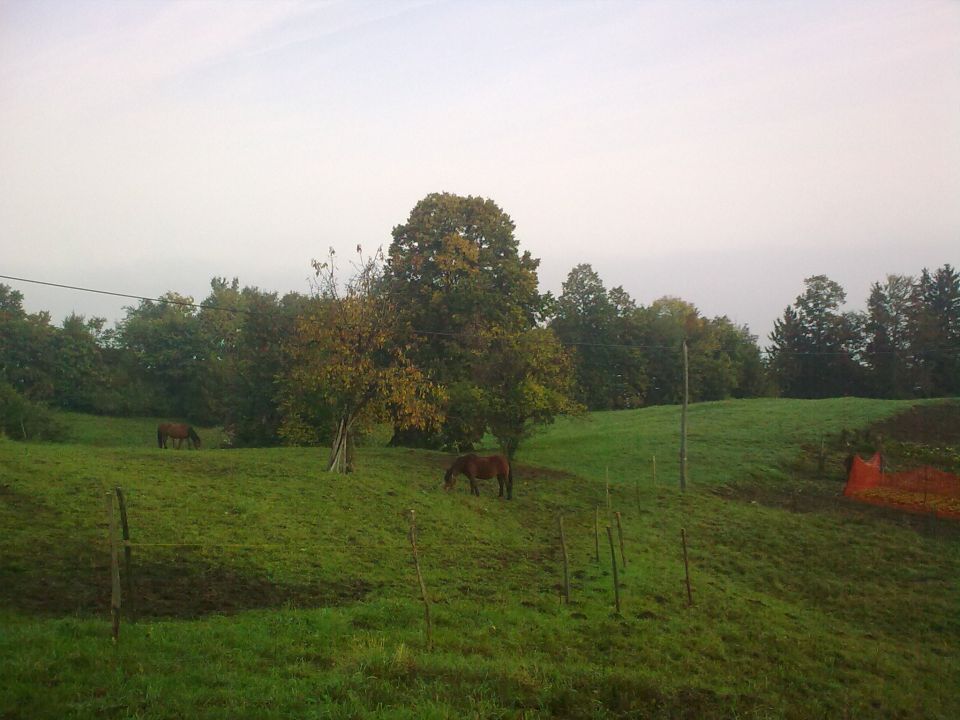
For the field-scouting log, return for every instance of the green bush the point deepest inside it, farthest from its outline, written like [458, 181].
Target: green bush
[22, 419]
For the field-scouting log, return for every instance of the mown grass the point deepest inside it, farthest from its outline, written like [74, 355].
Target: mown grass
[805, 605]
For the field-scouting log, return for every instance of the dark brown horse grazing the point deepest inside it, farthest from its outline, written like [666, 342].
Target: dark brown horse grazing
[179, 432]
[480, 468]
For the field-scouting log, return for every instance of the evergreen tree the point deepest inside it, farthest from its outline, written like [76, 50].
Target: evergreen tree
[815, 348]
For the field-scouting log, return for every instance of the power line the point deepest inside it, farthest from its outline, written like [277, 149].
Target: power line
[167, 301]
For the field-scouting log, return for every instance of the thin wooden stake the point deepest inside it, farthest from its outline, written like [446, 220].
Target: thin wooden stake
[821, 460]
[639, 504]
[127, 555]
[686, 566]
[423, 587]
[596, 531]
[114, 568]
[613, 562]
[623, 558]
[606, 473]
[654, 469]
[566, 562]
[683, 420]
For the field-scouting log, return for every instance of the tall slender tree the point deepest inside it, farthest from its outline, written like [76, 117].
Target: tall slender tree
[935, 331]
[887, 331]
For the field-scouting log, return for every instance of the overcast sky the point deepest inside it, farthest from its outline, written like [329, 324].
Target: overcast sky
[717, 151]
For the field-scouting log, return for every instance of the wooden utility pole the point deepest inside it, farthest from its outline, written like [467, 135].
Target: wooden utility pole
[683, 420]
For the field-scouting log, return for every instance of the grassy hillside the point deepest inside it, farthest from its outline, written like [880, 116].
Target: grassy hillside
[298, 598]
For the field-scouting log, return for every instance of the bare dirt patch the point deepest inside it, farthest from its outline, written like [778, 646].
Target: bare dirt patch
[183, 586]
[927, 424]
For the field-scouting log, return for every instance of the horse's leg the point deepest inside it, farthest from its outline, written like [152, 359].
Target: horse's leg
[500, 480]
[474, 488]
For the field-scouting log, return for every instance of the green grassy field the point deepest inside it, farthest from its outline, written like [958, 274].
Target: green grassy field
[293, 593]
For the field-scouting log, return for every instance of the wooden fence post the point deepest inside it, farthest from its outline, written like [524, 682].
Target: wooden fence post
[566, 562]
[683, 421]
[127, 555]
[606, 474]
[686, 566]
[114, 568]
[596, 531]
[423, 587]
[613, 562]
[623, 557]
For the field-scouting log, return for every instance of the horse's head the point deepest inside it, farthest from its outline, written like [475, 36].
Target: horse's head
[449, 479]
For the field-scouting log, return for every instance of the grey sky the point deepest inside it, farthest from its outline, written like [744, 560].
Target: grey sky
[717, 151]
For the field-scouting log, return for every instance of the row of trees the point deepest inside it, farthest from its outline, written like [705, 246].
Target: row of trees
[906, 344]
[448, 337]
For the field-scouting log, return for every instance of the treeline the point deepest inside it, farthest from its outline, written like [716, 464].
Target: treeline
[448, 337]
[906, 344]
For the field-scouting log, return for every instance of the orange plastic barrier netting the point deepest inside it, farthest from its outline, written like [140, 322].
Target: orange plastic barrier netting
[924, 490]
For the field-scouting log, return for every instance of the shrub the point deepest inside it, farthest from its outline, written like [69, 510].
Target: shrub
[22, 419]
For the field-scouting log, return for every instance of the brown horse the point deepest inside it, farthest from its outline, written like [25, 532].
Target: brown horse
[482, 468]
[179, 432]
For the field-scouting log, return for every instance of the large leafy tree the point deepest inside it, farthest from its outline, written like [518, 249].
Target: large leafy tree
[720, 354]
[170, 356]
[735, 368]
[81, 374]
[597, 324]
[27, 348]
[457, 275]
[253, 415]
[350, 366]
[526, 380]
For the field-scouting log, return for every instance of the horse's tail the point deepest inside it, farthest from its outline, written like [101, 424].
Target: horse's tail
[160, 438]
[192, 434]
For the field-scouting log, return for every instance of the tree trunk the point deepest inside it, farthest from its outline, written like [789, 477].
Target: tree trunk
[338, 449]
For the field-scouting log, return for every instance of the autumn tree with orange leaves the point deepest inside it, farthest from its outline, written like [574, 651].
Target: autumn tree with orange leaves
[351, 366]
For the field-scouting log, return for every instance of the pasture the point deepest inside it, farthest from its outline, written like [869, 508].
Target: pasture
[267, 588]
